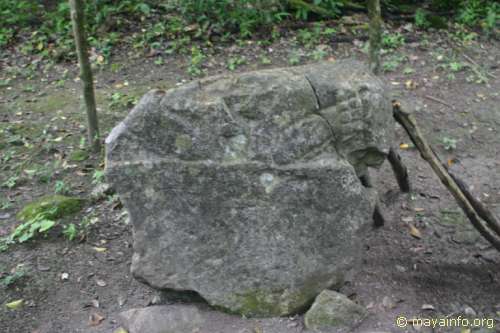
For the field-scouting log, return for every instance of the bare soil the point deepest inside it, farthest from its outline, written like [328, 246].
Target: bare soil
[447, 271]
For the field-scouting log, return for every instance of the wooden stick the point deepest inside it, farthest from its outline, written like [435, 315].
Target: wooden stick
[482, 210]
[440, 101]
[409, 124]
[400, 170]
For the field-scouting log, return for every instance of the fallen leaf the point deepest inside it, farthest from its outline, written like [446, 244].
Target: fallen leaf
[429, 307]
[95, 303]
[100, 249]
[419, 210]
[415, 232]
[95, 319]
[101, 283]
[15, 305]
[120, 330]
[404, 146]
[410, 85]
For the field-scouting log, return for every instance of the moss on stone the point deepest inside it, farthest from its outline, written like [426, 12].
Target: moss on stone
[332, 310]
[52, 207]
[183, 142]
[259, 303]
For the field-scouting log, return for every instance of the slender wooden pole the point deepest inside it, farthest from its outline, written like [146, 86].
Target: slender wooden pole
[400, 170]
[78, 19]
[375, 15]
[472, 208]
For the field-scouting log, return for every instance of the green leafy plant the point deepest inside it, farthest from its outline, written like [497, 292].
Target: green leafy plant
[61, 187]
[70, 231]
[12, 277]
[319, 54]
[240, 16]
[330, 8]
[392, 41]
[98, 177]
[5, 204]
[455, 66]
[120, 100]
[11, 182]
[235, 62]
[265, 60]
[294, 58]
[408, 71]
[421, 19]
[393, 62]
[449, 143]
[40, 224]
[196, 62]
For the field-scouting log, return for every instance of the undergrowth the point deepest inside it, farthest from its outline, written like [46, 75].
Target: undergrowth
[172, 25]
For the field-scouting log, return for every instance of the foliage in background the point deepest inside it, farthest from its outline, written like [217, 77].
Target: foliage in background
[171, 25]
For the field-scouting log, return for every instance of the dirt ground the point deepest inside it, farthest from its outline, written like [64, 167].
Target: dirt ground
[443, 270]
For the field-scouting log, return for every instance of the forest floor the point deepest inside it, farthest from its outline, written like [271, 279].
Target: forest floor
[427, 261]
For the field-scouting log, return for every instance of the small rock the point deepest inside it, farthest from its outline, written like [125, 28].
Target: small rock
[400, 268]
[4, 216]
[101, 191]
[64, 276]
[101, 283]
[161, 319]
[121, 301]
[332, 310]
[465, 237]
[388, 303]
[468, 311]
[428, 307]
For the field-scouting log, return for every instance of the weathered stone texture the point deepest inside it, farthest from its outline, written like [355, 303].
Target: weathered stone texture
[242, 187]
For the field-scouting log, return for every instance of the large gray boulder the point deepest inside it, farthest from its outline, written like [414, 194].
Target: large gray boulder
[243, 187]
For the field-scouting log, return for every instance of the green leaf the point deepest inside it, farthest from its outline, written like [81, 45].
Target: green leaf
[15, 305]
[46, 225]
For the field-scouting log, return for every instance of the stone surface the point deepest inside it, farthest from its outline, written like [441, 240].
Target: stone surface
[244, 187]
[332, 311]
[188, 318]
[161, 319]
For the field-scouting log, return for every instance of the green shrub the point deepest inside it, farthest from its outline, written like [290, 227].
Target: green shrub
[236, 16]
[479, 12]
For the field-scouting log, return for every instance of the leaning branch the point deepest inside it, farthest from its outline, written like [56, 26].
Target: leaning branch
[472, 208]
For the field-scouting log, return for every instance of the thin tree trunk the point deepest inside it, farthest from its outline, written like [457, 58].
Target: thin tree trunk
[375, 15]
[78, 19]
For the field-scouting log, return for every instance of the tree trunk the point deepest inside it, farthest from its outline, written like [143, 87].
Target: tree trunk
[78, 19]
[375, 15]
